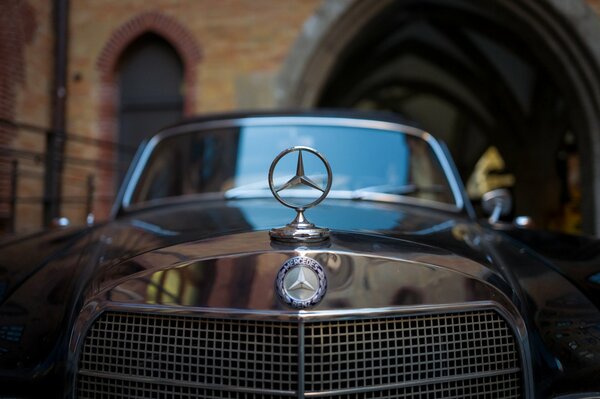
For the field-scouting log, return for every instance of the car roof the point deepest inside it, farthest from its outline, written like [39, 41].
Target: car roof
[386, 116]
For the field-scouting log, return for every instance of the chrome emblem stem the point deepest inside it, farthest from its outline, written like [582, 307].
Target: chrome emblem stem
[300, 229]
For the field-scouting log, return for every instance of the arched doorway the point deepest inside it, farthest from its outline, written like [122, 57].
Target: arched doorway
[150, 76]
[509, 78]
[168, 35]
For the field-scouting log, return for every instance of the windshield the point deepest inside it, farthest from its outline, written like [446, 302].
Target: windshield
[236, 161]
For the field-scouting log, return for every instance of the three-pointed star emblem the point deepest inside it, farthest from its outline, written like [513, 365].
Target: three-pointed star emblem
[300, 178]
[301, 282]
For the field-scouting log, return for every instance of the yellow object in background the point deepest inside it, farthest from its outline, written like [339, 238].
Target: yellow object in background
[483, 179]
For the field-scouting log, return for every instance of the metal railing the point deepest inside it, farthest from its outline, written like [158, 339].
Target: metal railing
[31, 164]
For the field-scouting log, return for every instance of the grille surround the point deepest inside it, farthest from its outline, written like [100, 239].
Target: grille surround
[469, 384]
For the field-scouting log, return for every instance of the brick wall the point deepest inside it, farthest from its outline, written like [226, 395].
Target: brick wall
[221, 43]
[25, 67]
[228, 46]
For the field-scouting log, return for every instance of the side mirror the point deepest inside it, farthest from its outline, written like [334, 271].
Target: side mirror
[496, 203]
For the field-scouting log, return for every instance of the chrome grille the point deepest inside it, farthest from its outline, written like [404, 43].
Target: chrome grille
[175, 350]
[369, 353]
[450, 355]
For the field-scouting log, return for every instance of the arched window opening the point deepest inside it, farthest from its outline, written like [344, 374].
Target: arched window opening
[150, 79]
[465, 73]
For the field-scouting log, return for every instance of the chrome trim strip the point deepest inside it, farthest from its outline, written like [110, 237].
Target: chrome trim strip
[93, 310]
[126, 193]
[301, 359]
[468, 206]
[163, 381]
[306, 316]
[376, 388]
[448, 171]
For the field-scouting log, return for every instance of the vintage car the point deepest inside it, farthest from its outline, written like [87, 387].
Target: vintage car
[310, 254]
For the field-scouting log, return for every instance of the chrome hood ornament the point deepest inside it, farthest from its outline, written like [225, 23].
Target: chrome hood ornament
[301, 282]
[300, 229]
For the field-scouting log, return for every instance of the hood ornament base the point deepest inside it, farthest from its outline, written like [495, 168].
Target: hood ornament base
[300, 229]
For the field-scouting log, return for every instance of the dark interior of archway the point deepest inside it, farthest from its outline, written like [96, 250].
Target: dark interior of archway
[463, 71]
[150, 92]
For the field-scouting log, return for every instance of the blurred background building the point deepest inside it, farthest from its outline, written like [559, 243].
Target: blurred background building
[512, 86]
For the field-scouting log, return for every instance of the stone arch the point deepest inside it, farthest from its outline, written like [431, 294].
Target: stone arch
[167, 28]
[565, 35]
[186, 47]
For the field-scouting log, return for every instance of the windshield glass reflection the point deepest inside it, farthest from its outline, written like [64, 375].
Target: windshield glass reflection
[235, 162]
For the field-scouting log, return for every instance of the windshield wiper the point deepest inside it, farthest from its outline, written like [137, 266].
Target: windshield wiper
[394, 190]
[261, 190]
[248, 190]
[390, 189]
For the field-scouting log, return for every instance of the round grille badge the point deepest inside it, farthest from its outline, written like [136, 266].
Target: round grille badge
[301, 282]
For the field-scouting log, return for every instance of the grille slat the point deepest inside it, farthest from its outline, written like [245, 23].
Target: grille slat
[101, 387]
[470, 354]
[503, 386]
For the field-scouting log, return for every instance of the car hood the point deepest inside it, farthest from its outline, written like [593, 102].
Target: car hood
[158, 227]
[162, 226]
